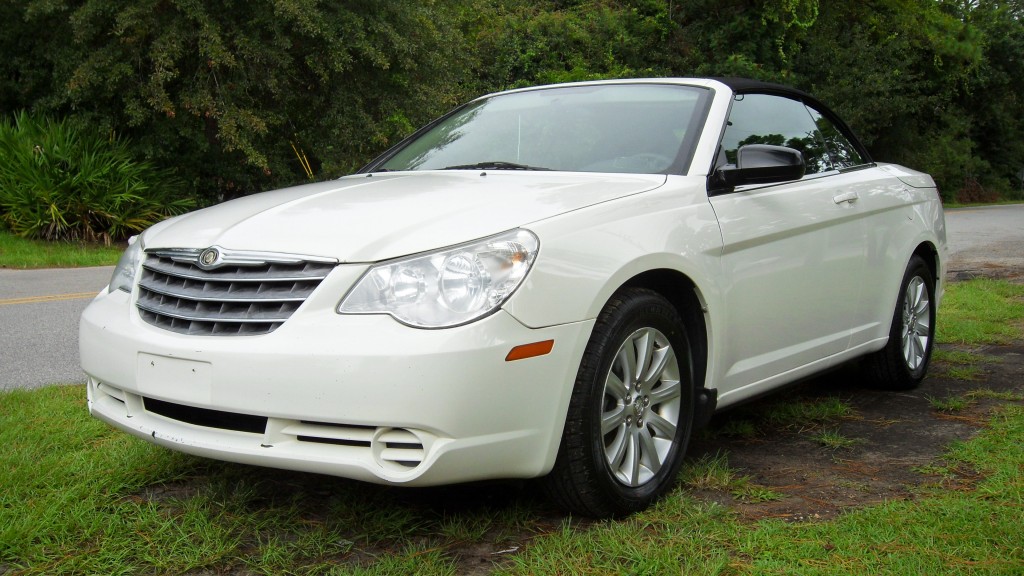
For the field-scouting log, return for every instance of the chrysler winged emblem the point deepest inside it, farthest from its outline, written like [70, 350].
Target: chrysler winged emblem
[208, 257]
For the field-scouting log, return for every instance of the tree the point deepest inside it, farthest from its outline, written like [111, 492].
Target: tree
[233, 94]
[993, 93]
[245, 96]
[894, 69]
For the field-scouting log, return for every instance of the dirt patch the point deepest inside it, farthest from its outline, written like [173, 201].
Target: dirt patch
[965, 269]
[896, 439]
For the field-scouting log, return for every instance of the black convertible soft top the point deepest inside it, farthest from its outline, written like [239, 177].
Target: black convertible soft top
[744, 85]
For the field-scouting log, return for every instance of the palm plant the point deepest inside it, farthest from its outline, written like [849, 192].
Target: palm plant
[60, 181]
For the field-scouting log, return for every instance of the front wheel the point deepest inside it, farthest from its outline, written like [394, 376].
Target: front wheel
[631, 411]
[903, 363]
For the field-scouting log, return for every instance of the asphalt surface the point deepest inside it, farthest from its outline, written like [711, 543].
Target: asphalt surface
[39, 309]
[986, 241]
[39, 312]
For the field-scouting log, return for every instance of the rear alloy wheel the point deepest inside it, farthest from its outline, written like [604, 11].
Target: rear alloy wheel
[631, 411]
[916, 332]
[903, 363]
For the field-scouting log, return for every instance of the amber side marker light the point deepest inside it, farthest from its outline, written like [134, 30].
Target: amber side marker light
[530, 350]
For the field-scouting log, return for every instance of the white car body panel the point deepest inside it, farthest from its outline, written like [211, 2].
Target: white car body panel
[792, 264]
[588, 254]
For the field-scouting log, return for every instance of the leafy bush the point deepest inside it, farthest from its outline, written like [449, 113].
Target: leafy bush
[222, 91]
[62, 182]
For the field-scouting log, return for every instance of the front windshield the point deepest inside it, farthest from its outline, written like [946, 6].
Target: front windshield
[632, 128]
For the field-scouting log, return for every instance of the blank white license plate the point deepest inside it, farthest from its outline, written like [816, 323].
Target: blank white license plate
[186, 381]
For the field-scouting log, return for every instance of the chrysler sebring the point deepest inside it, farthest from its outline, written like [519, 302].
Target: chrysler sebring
[560, 282]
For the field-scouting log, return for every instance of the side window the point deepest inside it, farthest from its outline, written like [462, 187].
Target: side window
[843, 153]
[765, 119]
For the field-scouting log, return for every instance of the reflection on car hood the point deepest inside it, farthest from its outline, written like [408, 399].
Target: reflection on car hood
[368, 218]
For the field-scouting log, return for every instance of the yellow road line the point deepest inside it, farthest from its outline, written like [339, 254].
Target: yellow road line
[50, 298]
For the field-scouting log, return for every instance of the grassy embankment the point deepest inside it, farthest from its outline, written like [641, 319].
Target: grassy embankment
[20, 253]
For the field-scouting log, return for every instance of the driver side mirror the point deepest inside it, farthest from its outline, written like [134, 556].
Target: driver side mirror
[759, 164]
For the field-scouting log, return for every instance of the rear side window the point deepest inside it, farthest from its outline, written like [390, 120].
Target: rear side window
[841, 151]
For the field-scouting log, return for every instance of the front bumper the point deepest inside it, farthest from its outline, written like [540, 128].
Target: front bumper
[362, 397]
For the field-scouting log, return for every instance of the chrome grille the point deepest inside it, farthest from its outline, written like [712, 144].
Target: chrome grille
[243, 293]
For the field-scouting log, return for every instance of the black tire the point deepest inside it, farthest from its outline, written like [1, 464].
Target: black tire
[903, 363]
[643, 451]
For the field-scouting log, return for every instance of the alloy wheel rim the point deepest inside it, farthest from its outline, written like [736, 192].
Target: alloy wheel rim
[916, 323]
[641, 407]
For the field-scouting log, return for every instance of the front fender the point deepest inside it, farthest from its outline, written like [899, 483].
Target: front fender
[588, 254]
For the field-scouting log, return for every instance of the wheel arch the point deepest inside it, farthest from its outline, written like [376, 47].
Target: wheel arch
[934, 258]
[684, 295]
[930, 254]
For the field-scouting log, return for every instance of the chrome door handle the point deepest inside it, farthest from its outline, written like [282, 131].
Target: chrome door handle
[849, 197]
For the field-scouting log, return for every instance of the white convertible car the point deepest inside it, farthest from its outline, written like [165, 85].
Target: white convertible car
[558, 282]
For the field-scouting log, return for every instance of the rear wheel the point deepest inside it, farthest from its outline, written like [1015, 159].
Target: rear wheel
[631, 411]
[903, 363]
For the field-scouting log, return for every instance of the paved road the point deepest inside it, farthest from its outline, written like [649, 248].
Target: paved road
[39, 312]
[39, 309]
[986, 241]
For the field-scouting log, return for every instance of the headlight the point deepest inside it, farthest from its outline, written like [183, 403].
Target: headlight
[124, 272]
[446, 288]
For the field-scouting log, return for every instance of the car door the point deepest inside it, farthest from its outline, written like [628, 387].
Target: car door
[793, 254]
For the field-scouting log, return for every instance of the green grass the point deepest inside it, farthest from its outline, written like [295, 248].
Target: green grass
[803, 414]
[981, 312]
[949, 404]
[984, 393]
[709, 472]
[833, 440]
[748, 491]
[961, 364]
[782, 413]
[16, 252]
[736, 427]
[77, 497]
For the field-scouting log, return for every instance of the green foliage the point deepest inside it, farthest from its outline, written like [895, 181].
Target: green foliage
[526, 43]
[223, 90]
[59, 181]
[245, 96]
[743, 37]
[994, 95]
[927, 84]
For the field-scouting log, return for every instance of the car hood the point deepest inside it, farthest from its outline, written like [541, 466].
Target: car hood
[366, 218]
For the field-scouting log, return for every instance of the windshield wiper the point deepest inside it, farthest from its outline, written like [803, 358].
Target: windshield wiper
[495, 165]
